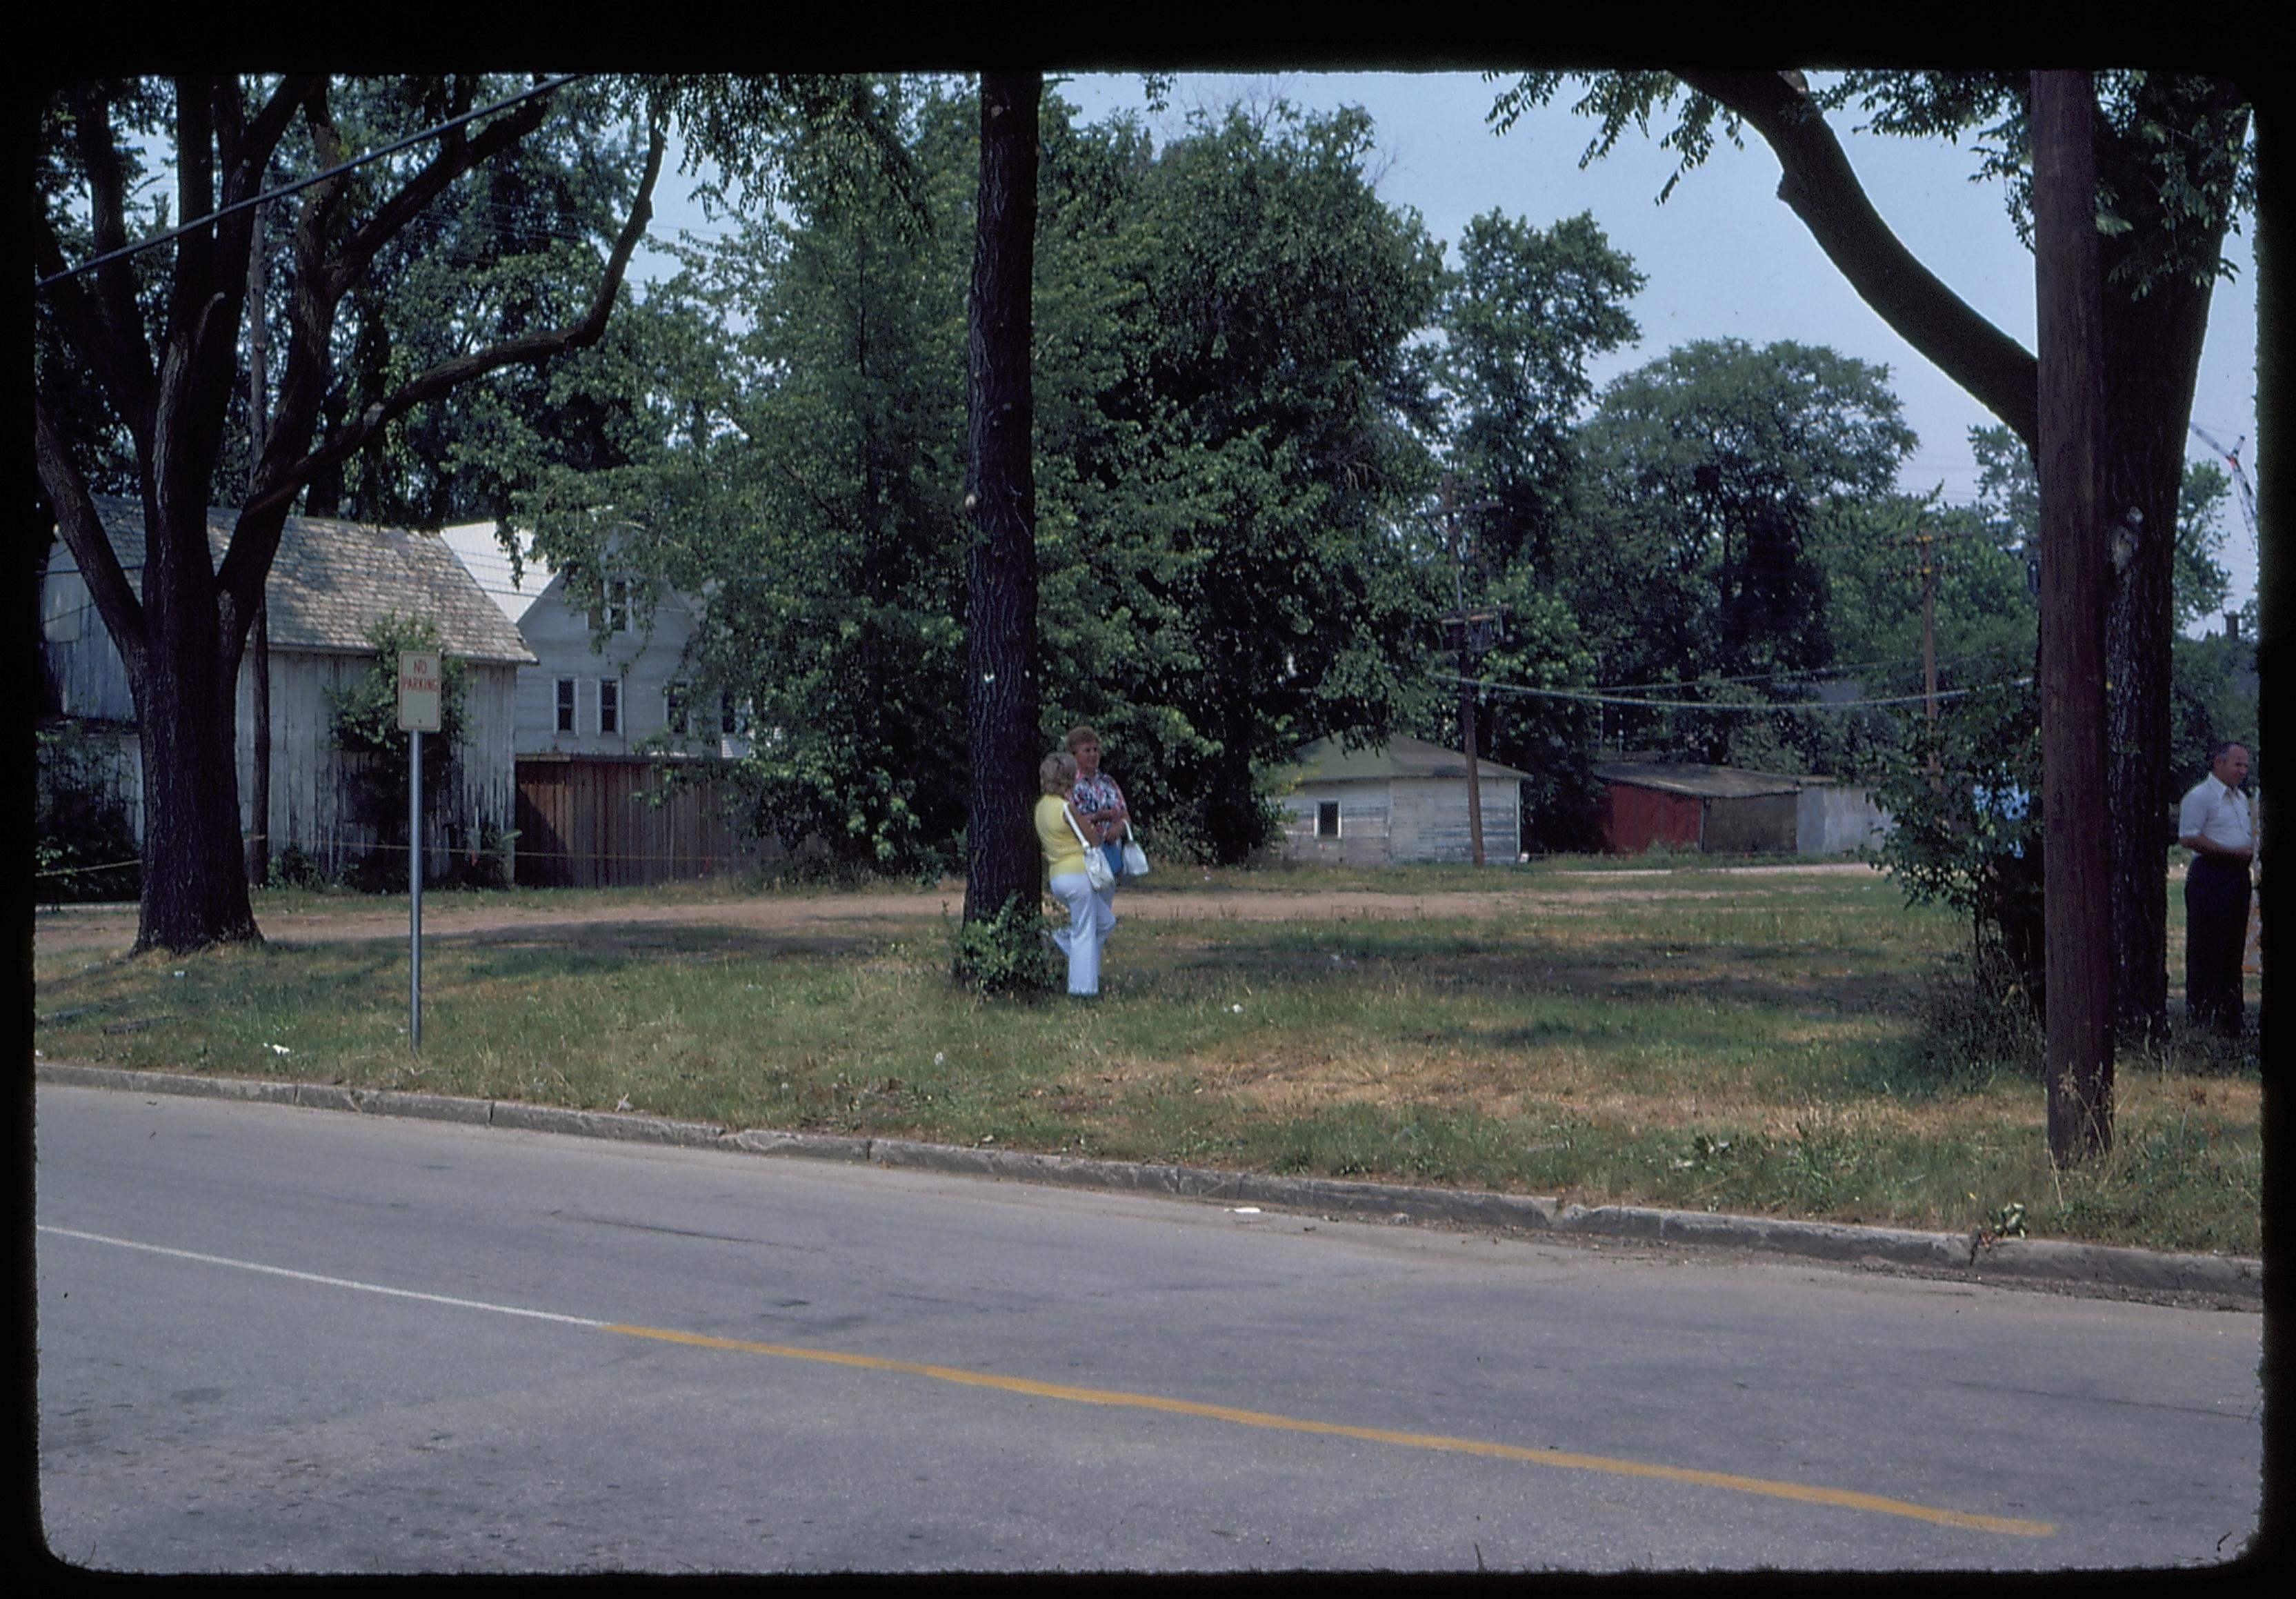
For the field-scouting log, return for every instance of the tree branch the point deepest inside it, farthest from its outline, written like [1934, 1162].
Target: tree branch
[84, 536]
[1821, 189]
[263, 135]
[192, 283]
[256, 535]
[457, 155]
[112, 335]
[79, 322]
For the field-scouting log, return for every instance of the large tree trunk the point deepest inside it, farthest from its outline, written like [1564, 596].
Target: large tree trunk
[2152, 361]
[194, 890]
[1002, 859]
[2152, 358]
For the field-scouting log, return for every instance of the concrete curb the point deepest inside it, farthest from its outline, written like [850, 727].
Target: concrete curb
[2029, 1260]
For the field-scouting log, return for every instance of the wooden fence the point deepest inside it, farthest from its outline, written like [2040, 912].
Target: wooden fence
[591, 822]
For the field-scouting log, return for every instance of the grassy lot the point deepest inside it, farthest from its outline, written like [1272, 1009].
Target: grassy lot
[1751, 1042]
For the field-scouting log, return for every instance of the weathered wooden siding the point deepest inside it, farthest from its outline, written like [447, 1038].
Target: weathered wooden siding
[1364, 814]
[88, 678]
[1404, 819]
[583, 823]
[1755, 825]
[1830, 820]
[1635, 818]
[1430, 820]
[315, 804]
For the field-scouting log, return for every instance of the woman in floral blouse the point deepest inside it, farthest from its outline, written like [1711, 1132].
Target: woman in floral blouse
[1100, 804]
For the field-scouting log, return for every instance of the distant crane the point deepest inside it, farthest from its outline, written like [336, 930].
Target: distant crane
[2241, 489]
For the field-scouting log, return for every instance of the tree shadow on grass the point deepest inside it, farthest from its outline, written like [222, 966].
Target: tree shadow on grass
[594, 949]
[1511, 970]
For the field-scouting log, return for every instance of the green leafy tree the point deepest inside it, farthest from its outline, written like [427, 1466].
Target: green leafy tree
[809, 490]
[1221, 339]
[2215, 702]
[1968, 832]
[2175, 172]
[1225, 579]
[1708, 474]
[1986, 619]
[1522, 315]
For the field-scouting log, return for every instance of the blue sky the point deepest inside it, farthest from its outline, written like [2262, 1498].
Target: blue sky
[1723, 256]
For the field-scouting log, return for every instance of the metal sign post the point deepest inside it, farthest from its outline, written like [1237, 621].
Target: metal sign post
[419, 686]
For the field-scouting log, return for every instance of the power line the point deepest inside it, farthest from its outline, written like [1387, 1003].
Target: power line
[1586, 697]
[1814, 673]
[375, 155]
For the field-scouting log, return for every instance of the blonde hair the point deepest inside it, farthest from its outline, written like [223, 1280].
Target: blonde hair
[1079, 736]
[1057, 773]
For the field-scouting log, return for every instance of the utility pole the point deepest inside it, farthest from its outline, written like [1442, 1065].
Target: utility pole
[2076, 882]
[259, 643]
[1466, 622]
[1929, 565]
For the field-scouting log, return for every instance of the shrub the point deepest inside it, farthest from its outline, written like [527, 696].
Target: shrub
[1006, 954]
[83, 845]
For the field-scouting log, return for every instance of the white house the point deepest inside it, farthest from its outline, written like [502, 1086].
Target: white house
[1403, 800]
[328, 584]
[605, 702]
[582, 696]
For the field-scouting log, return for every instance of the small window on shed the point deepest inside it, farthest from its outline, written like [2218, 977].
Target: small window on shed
[1327, 818]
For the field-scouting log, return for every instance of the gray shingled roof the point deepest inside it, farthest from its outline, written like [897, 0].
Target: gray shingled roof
[1325, 761]
[332, 580]
[1704, 782]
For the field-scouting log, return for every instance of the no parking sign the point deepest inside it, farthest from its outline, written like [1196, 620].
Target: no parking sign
[419, 686]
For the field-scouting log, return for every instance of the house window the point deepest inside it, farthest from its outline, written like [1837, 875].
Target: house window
[566, 705]
[1327, 818]
[676, 697]
[613, 612]
[730, 718]
[610, 705]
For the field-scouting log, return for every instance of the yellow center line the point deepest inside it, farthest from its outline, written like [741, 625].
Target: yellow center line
[1840, 1498]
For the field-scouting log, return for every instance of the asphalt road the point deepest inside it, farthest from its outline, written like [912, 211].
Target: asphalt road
[282, 1339]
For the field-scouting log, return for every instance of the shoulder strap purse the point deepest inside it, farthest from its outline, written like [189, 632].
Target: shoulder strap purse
[1095, 863]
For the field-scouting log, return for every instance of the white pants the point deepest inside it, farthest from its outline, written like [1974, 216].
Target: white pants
[1091, 918]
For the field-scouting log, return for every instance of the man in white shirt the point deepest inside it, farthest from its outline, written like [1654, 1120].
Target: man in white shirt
[2214, 824]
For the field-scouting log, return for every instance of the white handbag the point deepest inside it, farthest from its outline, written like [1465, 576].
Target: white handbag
[1135, 858]
[1095, 859]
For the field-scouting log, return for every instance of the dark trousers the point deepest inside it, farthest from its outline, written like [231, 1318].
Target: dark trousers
[2216, 933]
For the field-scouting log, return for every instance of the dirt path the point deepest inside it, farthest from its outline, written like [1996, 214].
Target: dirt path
[113, 927]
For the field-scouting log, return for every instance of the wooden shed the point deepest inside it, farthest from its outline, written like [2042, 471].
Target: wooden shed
[328, 584]
[1716, 810]
[1402, 800]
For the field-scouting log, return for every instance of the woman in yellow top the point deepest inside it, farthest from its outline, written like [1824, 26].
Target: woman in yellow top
[1090, 917]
